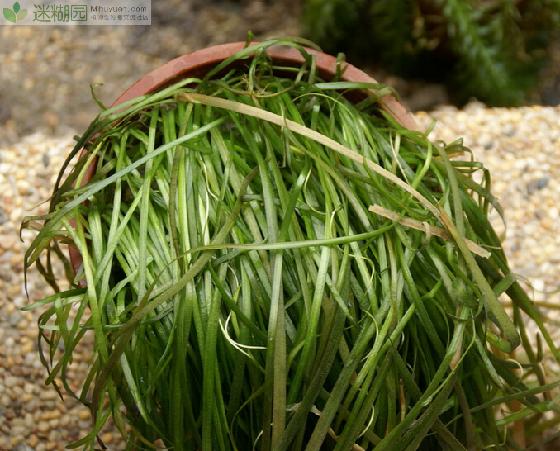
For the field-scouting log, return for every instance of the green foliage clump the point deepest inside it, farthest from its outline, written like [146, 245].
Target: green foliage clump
[488, 49]
[267, 265]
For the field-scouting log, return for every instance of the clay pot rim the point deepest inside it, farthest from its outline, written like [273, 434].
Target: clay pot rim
[201, 61]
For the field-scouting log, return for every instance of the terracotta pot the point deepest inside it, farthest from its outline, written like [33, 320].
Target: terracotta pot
[197, 64]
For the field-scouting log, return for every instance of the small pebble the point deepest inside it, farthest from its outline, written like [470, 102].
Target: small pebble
[33, 441]
[537, 184]
[519, 146]
[3, 216]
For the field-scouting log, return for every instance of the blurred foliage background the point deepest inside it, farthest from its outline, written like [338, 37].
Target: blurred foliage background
[493, 50]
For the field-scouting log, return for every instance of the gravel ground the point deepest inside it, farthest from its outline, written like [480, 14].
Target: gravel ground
[31, 416]
[519, 146]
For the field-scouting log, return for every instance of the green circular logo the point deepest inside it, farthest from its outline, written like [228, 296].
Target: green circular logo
[14, 14]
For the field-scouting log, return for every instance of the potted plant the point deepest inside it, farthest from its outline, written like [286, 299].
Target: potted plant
[269, 255]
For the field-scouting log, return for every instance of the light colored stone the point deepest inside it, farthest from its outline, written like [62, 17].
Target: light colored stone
[33, 441]
[107, 438]
[11, 381]
[50, 415]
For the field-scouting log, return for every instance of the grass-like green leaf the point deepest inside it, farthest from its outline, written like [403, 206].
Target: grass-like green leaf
[267, 265]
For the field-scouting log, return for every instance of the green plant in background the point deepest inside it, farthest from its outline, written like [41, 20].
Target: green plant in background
[269, 266]
[489, 49]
